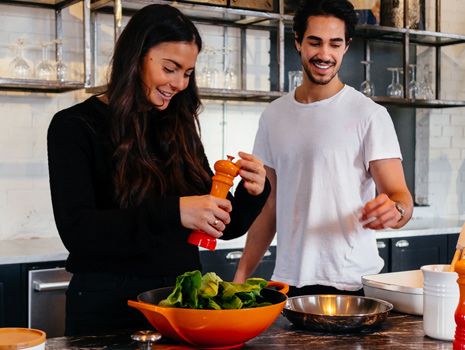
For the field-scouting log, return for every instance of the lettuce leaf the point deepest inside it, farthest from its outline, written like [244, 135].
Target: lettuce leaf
[209, 291]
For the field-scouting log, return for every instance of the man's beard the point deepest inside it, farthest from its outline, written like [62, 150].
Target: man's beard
[315, 80]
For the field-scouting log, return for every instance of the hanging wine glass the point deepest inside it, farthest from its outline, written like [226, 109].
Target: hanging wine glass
[414, 91]
[45, 69]
[230, 75]
[426, 91]
[19, 67]
[395, 88]
[367, 87]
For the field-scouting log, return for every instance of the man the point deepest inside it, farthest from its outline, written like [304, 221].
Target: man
[338, 147]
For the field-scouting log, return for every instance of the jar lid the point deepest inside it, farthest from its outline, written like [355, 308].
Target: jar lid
[20, 338]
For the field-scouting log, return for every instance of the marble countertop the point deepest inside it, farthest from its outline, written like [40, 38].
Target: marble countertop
[400, 331]
[17, 251]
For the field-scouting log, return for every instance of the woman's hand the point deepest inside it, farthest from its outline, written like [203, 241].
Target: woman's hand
[205, 213]
[252, 172]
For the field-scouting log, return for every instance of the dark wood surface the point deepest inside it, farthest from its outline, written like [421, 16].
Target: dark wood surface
[398, 332]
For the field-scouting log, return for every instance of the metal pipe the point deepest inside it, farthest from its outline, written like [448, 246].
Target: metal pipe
[58, 39]
[118, 18]
[88, 81]
[406, 63]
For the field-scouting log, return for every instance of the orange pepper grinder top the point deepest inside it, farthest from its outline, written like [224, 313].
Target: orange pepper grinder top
[225, 172]
[459, 339]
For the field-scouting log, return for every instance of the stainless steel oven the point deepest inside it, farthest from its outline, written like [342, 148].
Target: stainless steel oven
[46, 300]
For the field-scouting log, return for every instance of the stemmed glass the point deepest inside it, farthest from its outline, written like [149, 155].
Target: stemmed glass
[18, 66]
[395, 88]
[367, 87]
[45, 69]
[426, 90]
[414, 90]
[209, 72]
[230, 75]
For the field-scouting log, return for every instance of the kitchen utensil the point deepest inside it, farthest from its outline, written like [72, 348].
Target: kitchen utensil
[459, 316]
[459, 249]
[22, 338]
[225, 172]
[336, 313]
[225, 329]
[440, 299]
[404, 290]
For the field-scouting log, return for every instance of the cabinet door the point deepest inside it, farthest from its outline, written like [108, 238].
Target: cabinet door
[224, 263]
[410, 253]
[383, 250]
[12, 302]
[451, 246]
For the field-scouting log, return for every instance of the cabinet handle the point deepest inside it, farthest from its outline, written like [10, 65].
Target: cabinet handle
[235, 255]
[381, 245]
[43, 287]
[402, 243]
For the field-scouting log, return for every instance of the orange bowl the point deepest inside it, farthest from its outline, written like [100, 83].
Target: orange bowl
[226, 329]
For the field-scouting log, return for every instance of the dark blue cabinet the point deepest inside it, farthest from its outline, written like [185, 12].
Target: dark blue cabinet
[224, 263]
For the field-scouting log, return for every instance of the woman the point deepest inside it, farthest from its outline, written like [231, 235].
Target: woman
[128, 176]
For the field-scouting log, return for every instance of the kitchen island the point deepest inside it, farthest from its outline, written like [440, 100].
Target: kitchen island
[400, 331]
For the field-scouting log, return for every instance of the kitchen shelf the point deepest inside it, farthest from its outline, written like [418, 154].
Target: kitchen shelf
[51, 4]
[35, 85]
[421, 37]
[200, 12]
[419, 103]
[221, 94]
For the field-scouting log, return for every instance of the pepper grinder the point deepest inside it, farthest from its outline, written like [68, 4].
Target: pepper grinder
[459, 340]
[225, 172]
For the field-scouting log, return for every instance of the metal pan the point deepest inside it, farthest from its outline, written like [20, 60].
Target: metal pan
[336, 313]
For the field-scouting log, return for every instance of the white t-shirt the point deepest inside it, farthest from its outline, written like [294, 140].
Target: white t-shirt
[321, 153]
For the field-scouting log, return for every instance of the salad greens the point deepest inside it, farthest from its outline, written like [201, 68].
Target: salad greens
[209, 291]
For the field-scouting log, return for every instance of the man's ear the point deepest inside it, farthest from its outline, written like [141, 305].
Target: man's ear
[297, 45]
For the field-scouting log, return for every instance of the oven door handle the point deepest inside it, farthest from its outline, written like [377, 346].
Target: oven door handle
[45, 287]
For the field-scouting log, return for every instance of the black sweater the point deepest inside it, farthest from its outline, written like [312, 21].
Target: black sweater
[147, 239]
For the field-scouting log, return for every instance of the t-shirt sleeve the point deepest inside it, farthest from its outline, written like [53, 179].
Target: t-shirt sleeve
[381, 139]
[261, 148]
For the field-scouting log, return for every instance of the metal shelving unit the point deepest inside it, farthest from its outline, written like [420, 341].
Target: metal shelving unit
[37, 85]
[233, 17]
[406, 36]
[210, 14]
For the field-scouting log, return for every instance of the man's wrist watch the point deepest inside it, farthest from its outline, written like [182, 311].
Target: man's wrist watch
[401, 210]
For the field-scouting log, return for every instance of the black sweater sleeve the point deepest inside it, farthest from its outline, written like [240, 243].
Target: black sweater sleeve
[88, 223]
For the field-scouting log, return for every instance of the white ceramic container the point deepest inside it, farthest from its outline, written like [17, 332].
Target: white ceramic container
[440, 299]
[402, 289]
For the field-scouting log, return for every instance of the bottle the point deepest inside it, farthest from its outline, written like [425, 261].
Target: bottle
[225, 172]
[459, 339]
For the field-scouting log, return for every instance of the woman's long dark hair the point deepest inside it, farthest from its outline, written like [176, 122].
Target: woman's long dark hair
[154, 151]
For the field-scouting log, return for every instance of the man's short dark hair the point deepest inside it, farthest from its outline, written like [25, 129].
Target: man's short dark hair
[341, 9]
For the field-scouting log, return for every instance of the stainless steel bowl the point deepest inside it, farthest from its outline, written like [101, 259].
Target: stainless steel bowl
[336, 313]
